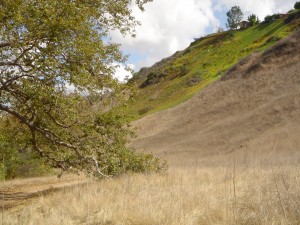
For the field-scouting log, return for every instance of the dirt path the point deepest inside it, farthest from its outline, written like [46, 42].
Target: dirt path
[15, 194]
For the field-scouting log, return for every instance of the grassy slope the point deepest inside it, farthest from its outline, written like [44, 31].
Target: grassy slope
[206, 59]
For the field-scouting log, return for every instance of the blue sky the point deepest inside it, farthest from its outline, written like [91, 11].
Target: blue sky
[170, 25]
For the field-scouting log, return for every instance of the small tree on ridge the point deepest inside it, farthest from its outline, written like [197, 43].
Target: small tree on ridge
[253, 20]
[234, 17]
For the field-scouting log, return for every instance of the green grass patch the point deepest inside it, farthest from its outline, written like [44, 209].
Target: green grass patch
[208, 58]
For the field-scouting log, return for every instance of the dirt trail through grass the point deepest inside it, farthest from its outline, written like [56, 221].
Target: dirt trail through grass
[17, 193]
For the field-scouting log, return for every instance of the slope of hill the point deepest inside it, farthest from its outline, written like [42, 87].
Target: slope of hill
[255, 106]
[177, 78]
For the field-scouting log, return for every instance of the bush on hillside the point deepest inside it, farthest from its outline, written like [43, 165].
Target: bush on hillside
[183, 70]
[272, 18]
[292, 16]
[253, 20]
[292, 11]
[187, 51]
[144, 110]
[153, 78]
[194, 80]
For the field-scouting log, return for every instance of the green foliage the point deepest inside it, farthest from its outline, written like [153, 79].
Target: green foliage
[234, 17]
[292, 16]
[292, 11]
[253, 20]
[18, 160]
[194, 80]
[272, 18]
[153, 78]
[48, 45]
[268, 19]
[297, 5]
[183, 70]
[129, 161]
[144, 110]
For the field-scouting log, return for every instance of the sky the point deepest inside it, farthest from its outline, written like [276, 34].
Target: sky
[168, 26]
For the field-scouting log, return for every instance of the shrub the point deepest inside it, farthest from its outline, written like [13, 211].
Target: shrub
[292, 16]
[187, 51]
[194, 80]
[131, 162]
[144, 110]
[268, 19]
[292, 11]
[272, 18]
[183, 70]
[253, 20]
[273, 39]
[153, 78]
[297, 5]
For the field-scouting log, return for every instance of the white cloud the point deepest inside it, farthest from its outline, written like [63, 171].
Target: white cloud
[170, 25]
[122, 74]
[167, 26]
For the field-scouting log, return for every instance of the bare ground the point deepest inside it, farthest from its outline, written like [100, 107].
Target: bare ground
[254, 108]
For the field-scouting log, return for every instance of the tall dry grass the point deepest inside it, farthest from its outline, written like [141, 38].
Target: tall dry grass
[231, 189]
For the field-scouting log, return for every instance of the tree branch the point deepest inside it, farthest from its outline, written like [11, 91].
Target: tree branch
[23, 53]
[5, 44]
[58, 123]
[9, 63]
[45, 132]
[59, 163]
[6, 83]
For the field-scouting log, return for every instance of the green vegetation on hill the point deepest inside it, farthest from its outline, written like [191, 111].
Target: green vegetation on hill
[176, 79]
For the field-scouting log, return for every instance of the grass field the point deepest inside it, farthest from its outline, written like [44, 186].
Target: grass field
[227, 189]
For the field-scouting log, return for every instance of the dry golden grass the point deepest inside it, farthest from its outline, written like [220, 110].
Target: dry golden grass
[22, 184]
[238, 191]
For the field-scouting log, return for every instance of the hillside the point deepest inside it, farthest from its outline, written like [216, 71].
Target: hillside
[254, 107]
[177, 78]
[211, 142]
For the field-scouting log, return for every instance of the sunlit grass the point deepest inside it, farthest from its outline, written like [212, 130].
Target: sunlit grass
[227, 189]
[210, 57]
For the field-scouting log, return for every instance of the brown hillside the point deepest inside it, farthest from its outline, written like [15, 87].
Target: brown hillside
[254, 107]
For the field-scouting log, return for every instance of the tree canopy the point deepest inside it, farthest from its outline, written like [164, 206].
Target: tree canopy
[57, 85]
[253, 19]
[234, 17]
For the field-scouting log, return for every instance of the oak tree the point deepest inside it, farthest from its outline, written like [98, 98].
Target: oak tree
[57, 86]
[234, 17]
